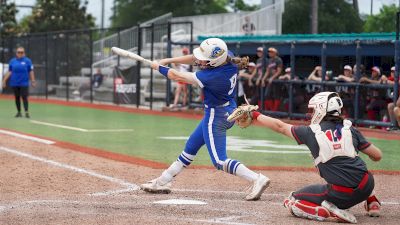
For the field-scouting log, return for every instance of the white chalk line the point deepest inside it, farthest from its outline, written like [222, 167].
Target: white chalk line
[269, 151]
[128, 185]
[222, 192]
[222, 220]
[27, 137]
[78, 128]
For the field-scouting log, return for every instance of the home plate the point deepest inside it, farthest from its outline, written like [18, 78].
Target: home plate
[180, 202]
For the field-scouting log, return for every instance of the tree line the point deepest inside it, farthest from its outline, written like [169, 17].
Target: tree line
[334, 16]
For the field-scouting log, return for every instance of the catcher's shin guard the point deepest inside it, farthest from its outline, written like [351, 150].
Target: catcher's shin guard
[305, 209]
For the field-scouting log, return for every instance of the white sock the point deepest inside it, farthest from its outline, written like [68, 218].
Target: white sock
[169, 174]
[244, 172]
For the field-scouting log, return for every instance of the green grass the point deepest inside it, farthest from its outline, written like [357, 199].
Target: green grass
[144, 141]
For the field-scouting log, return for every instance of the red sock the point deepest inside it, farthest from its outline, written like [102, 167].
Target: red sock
[372, 198]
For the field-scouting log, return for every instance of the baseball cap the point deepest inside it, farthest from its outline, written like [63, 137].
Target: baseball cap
[376, 69]
[393, 68]
[260, 49]
[287, 70]
[251, 64]
[347, 67]
[272, 50]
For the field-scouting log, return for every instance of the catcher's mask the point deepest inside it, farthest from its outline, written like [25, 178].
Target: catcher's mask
[322, 104]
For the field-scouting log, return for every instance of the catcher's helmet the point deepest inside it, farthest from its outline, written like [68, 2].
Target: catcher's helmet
[325, 103]
[213, 50]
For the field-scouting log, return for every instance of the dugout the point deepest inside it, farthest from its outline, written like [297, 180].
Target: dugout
[302, 52]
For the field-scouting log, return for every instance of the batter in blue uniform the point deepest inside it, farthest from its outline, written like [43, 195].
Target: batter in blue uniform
[217, 78]
[19, 73]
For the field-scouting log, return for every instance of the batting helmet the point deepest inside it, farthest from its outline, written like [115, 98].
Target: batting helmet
[213, 50]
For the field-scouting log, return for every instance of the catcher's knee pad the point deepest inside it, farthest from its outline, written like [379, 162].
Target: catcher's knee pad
[186, 158]
[308, 210]
[230, 166]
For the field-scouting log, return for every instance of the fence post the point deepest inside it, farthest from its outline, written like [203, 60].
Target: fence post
[91, 65]
[397, 63]
[46, 74]
[358, 75]
[67, 62]
[138, 65]
[323, 66]
[151, 71]
[263, 69]
[237, 48]
[292, 72]
[168, 56]
[119, 44]
[189, 102]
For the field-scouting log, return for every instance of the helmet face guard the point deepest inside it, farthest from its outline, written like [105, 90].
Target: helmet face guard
[322, 104]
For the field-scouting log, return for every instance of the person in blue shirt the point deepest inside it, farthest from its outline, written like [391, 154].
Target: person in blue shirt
[218, 79]
[19, 73]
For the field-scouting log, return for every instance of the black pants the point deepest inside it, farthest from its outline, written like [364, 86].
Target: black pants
[21, 92]
[343, 199]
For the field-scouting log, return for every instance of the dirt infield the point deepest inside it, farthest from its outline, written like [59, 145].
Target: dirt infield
[47, 184]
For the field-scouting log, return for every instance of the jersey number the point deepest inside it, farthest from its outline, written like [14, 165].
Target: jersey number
[233, 84]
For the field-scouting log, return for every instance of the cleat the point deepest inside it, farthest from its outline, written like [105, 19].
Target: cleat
[27, 115]
[317, 213]
[373, 208]
[342, 215]
[155, 187]
[258, 188]
[18, 115]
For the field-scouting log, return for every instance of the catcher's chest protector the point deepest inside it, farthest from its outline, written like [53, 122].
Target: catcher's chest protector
[329, 149]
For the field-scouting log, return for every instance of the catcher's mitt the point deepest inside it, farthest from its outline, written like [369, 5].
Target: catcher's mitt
[242, 115]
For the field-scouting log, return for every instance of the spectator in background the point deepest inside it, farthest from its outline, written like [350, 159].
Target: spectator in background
[346, 92]
[97, 78]
[244, 80]
[256, 77]
[393, 109]
[20, 72]
[362, 70]
[248, 27]
[347, 75]
[390, 79]
[274, 70]
[316, 74]
[298, 96]
[375, 98]
[181, 87]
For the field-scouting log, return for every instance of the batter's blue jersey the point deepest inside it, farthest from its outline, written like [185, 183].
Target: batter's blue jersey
[218, 84]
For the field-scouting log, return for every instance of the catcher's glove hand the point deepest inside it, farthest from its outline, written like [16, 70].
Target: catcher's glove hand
[242, 115]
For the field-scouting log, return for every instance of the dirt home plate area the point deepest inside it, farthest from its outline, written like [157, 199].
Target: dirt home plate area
[45, 184]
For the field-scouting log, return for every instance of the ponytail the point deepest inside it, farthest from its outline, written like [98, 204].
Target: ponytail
[240, 62]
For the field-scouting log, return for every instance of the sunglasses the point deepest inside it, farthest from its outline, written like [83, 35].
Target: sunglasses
[20, 52]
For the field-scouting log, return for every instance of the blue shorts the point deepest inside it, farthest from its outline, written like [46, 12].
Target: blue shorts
[212, 132]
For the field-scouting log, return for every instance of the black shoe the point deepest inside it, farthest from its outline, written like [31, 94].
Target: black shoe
[18, 115]
[27, 115]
